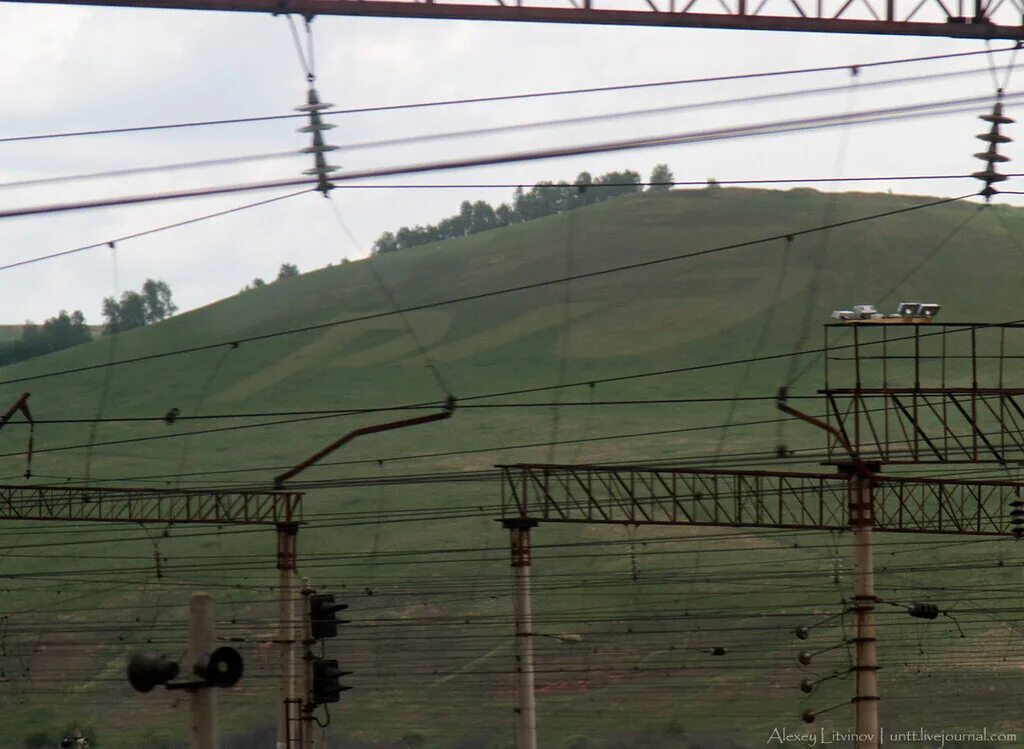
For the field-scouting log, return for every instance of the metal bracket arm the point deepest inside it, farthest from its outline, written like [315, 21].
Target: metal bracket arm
[449, 408]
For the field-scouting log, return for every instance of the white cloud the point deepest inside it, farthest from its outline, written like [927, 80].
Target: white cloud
[68, 68]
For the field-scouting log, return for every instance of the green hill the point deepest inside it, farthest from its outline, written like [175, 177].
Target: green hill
[430, 599]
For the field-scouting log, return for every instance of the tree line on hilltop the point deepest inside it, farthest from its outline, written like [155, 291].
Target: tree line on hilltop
[153, 303]
[543, 199]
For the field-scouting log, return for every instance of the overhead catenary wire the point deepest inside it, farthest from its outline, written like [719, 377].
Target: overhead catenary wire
[514, 97]
[477, 132]
[888, 114]
[148, 232]
[557, 671]
[392, 299]
[500, 185]
[152, 169]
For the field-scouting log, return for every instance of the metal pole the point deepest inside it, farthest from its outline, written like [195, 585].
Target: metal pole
[287, 737]
[203, 702]
[866, 669]
[526, 709]
[308, 728]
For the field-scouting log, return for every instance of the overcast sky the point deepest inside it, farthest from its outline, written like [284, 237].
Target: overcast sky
[67, 68]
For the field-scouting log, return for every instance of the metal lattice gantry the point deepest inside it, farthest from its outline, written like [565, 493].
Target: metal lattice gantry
[925, 393]
[280, 509]
[121, 505]
[639, 495]
[974, 19]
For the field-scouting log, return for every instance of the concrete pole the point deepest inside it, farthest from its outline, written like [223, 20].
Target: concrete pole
[308, 726]
[866, 698]
[526, 709]
[288, 726]
[203, 702]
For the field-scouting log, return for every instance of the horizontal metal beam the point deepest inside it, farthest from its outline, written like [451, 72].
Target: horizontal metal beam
[927, 425]
[895, 17]
[120, 505]
[639, 495]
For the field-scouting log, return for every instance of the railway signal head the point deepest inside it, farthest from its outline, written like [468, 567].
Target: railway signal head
[326, 686]
[146, 671]
[323, 618]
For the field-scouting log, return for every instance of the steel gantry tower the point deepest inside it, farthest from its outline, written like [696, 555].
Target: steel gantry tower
[282, 510]
[896, 394]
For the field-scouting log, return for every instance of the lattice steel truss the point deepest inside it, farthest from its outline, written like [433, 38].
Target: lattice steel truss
[977, 19]
[926, 393]
[119, 505]
[638, 495]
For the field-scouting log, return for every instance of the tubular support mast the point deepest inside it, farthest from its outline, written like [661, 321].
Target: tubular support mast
[526, 707]
[288, 726]
[976, 19]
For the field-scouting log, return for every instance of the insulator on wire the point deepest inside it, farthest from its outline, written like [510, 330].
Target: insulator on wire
[802, 633]
[923, 610]
[804, 658]
[992, 156]
[994, 137]
[321, 169]
[806, 686]
[997, 117]
[1017, 518]
[808, 715]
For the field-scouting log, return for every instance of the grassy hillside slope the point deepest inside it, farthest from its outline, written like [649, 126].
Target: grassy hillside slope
[430, 600]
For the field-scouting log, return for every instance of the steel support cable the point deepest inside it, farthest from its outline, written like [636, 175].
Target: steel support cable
[751, 458]
[563, 340]
[803, 455]
[486, 131]
[426, 405]
[758, 346]
[803, 452]
[153, 169]
[717, 574]
[812, 180]
[888, 114]
[512, 97]
[320, 417]
[451, 588]
[392, 299]
[646, 112]
[370, 556]
[154, 230]
[675, 183]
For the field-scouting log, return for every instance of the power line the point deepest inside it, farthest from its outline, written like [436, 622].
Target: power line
[887, 114]
[508, 97]
[494, 130]
[509, 185]
[135, 171]
[154, 230]
[518, 127]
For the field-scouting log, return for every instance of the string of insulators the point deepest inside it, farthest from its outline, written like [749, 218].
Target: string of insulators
[1017, 518]
[321, 169]
[991, 156]
[923, 610]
